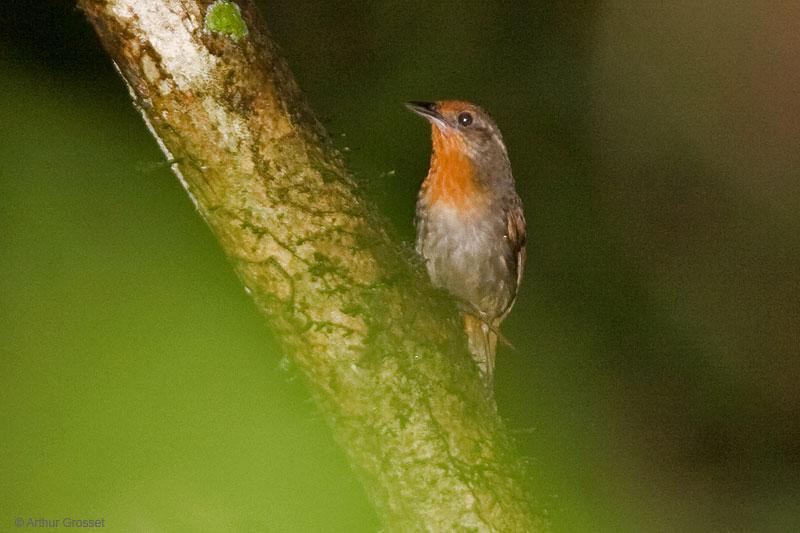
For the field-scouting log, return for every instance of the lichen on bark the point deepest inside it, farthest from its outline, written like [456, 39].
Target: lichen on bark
[381, 350]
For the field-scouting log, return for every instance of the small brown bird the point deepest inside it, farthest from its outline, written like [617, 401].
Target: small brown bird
[470, 225]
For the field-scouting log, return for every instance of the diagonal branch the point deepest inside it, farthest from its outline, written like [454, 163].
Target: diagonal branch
[382, 352]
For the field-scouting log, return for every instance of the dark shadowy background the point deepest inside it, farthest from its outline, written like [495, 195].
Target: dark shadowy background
[655, 385]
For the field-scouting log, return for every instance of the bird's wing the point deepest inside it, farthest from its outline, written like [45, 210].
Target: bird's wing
[515, 232]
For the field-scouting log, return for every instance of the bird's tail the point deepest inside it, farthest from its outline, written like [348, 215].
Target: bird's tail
[482, 344]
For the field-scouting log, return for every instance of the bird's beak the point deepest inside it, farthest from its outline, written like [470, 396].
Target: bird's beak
[427, 110]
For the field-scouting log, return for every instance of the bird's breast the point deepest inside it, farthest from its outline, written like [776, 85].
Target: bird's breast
[452, 178]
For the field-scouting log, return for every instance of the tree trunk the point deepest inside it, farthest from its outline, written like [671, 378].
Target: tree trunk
[383, 353]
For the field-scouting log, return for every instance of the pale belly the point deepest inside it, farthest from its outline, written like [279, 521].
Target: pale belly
[470, 258]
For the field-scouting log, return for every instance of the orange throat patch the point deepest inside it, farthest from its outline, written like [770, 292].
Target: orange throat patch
[451, 178]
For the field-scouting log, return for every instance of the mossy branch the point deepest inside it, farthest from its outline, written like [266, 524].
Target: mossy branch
[382, 352]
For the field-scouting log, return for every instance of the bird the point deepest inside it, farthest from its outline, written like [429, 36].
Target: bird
[470, 223]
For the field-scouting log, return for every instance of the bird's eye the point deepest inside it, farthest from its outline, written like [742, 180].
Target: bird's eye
[465, 119]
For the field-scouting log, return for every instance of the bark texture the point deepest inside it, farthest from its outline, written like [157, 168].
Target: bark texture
[383, 353]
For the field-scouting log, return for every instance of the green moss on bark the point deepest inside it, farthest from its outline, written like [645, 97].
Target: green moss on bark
[225, 17]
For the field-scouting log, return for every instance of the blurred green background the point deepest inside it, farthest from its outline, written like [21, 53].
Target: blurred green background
[655, 386]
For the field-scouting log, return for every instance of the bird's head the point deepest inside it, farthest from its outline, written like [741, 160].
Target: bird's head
[462, 126]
